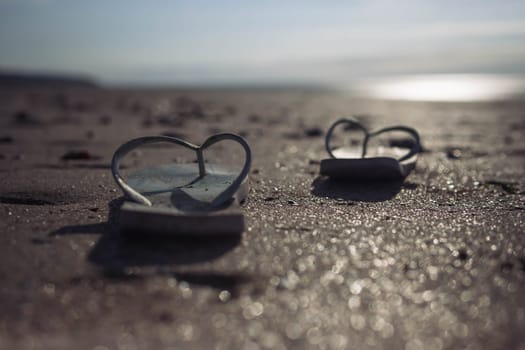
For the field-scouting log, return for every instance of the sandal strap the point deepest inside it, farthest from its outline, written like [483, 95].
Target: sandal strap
[224, 196]
[416, 148]
[350, 121]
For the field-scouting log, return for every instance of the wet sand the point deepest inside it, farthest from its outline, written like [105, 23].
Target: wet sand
[435, 262]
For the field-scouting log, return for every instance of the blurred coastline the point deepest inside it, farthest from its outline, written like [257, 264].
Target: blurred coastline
[407, 87]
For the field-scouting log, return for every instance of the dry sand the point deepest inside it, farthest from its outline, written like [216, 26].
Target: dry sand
[435, 262]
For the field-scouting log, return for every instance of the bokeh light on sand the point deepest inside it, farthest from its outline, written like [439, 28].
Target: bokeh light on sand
[445, 87]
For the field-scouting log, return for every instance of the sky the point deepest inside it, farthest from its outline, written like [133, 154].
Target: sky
[268, 41]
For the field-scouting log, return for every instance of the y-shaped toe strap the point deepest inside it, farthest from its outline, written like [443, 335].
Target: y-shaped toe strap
[354, 124]
[225, 195]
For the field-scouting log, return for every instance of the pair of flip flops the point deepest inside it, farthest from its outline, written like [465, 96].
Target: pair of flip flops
[204, 198]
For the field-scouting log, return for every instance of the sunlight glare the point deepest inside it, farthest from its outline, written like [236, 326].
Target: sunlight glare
[446, 87]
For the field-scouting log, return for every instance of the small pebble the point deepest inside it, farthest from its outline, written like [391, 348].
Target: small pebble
[454, 153]
[147, 123]
[40, 241]
[230, 110]
[6, 139]
[292, 135]
[79, 155]
[506, 267]
[25, 118]
[254, 118]
[166, 120]
[166, 317]
[225, 296]
[462, 254]
[313, 132]
[104, 120]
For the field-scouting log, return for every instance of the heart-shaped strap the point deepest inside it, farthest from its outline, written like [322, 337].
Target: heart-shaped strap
[225, 195]
[416, 148]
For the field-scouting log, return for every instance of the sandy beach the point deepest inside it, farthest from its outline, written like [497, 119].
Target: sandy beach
[434, 262]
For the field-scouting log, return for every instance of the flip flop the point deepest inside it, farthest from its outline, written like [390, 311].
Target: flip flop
[345, 163]
[183, 199]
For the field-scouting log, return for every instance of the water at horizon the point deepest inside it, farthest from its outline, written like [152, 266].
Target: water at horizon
[443, 87]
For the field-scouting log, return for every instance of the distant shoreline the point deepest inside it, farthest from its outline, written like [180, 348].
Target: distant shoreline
[24, 80]
[413, 87]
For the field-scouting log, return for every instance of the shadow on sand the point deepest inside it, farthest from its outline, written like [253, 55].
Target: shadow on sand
[358, 191]
[116, 253]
